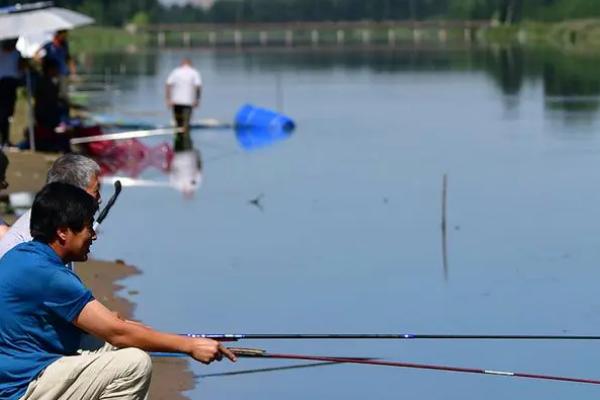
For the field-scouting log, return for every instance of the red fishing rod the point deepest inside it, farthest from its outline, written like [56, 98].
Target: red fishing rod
[258, 353]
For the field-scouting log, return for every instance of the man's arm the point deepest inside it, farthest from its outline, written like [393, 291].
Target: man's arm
[40, 53]
[198, 95]
[168, 95]
[101, 322]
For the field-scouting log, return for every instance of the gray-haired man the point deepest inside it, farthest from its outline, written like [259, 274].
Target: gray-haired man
[74, 169]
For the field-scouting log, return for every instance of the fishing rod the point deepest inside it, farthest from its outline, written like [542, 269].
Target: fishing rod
[259, 353]
[109, 205]
[233, 337]
[125, 135]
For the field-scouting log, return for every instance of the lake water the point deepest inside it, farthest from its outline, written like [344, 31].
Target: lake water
[349, 236]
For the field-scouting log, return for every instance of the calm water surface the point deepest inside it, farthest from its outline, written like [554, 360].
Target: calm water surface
[349, 239]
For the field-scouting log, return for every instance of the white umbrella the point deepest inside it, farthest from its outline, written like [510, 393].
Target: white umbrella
[29, 45]
[36, 21]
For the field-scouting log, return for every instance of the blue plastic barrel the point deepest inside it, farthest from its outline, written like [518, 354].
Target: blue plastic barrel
[254, 138]
[250, 116]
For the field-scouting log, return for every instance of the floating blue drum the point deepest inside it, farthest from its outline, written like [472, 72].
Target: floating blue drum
[253, 117]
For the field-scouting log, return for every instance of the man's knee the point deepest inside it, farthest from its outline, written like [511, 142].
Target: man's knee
[136, 361]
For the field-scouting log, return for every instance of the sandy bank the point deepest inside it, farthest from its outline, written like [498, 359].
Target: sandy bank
[171, 376]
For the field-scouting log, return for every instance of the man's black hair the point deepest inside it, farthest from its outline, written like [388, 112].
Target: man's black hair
[60, 205]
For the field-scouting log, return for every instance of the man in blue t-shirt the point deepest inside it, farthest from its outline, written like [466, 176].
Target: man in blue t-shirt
[45, 308]
[56, 52]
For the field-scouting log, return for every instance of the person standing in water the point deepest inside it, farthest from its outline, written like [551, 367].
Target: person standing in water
[183, 92]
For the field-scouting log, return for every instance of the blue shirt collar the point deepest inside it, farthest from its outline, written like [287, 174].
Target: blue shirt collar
[46, 250]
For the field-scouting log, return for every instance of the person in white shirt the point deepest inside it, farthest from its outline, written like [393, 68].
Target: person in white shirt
[74, 169]
[183, 91]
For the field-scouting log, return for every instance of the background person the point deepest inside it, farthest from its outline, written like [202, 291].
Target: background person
[74, 169]
[11, 65]
[51, 110]
[4, 227]
[58, 50]
[183, 92]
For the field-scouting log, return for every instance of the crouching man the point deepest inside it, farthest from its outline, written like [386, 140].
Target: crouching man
[45, 308]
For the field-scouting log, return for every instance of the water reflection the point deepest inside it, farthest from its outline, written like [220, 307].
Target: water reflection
[130, 160]
[563, 75]
[131, 157]
[363, 139]
[253, 138]
[185, 171]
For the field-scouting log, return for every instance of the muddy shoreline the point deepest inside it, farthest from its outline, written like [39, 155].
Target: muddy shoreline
[170, 376]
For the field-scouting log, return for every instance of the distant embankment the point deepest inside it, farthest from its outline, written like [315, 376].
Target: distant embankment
[313, 33]
[574, 34]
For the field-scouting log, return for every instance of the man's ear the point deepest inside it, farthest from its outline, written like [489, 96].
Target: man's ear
[61, 233]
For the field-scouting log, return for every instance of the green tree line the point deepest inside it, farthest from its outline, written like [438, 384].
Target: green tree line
[118, 13]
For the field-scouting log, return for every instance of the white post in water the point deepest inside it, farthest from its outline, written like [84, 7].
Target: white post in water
[289, 38]
[263, 38]
[314, 37]
[443, 35]
[187, 39]
[212, 38]
[522, 36]
[237, 38]
[340, 36]
[161, 39]
[366, 36]
[467, 34]
[416, 35]
[391, 37]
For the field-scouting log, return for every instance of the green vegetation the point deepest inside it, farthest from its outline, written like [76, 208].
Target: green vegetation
[99, 38]
[574, 23]
[122, 12]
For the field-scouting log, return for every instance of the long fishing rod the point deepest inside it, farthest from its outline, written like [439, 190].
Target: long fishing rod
[232, 337]
[257, 353]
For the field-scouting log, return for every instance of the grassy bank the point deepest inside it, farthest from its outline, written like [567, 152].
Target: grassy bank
[575, 34]
[580, 35]
[102, 39]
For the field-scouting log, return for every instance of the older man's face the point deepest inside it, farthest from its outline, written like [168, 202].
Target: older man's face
[94, 188]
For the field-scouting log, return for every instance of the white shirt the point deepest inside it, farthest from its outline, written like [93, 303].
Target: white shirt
[9, 64]
[184, 82]
[18, 233]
